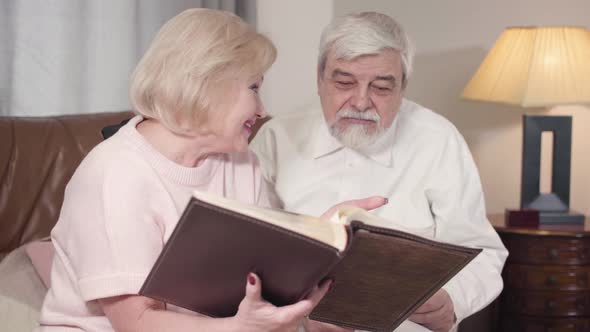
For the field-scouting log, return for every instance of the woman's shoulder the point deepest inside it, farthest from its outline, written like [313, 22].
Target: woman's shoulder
[110, 159]
[113, 152]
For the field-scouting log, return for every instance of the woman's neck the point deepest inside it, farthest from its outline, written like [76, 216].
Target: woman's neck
[188, 151]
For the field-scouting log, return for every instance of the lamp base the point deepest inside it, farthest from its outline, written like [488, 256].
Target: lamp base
[567, 217]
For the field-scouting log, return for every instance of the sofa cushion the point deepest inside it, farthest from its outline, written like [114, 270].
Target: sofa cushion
[41, 255]
[21, 293]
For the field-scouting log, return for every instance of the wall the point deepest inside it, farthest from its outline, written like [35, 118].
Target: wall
[294, 27]
[452, 38]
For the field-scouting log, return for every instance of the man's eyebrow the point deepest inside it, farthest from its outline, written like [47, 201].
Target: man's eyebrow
[337, 72]
[340, 72]
[385, 78]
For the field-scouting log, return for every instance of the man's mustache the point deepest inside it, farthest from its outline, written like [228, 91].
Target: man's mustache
[349, 113]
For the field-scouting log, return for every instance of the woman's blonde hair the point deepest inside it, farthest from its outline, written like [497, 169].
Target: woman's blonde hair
[193, 58]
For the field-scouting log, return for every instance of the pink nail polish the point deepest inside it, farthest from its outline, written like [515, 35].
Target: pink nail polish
[251, 279]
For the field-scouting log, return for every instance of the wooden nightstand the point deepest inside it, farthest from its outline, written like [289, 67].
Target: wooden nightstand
[546, 278]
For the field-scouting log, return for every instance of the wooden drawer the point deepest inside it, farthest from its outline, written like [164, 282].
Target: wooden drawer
[534, 277]
[547, 250]
[553, 304]
[516, 323]
[546, 278]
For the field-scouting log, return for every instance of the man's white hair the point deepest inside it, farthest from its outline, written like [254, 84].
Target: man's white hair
[365, 33]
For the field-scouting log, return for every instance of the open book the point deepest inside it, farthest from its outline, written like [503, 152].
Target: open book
[381, 275]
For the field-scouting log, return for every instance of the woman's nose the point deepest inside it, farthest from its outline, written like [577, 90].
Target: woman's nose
[261, 111]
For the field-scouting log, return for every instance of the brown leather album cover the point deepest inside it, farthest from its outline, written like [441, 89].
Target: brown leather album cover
[381, 276]
[385, 276]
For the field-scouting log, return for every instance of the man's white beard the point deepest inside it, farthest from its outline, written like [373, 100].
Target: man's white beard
[357, 136]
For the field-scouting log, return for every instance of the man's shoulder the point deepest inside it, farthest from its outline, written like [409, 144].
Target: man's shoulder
[240, 160]
[296, 126]
[417, 119]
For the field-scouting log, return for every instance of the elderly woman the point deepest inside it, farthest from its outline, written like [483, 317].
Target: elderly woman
[196, 96]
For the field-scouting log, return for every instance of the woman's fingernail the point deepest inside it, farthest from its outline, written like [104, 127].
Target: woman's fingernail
[251, 279]
[331, 285]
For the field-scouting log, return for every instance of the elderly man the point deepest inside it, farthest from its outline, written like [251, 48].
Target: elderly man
[372, 141]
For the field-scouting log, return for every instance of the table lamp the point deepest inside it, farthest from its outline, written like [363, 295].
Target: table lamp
[539, 67]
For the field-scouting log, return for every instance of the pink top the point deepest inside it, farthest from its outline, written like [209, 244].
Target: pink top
[119, 209]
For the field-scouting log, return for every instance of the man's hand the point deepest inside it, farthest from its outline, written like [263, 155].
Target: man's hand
[368, 203]
[437, 314]
[315, 326]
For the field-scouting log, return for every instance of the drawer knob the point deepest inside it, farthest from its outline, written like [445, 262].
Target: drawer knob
[550, 304]
[553, 253]
[551, 280]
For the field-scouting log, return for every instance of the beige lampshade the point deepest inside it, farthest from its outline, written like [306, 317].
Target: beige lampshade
[535, 67]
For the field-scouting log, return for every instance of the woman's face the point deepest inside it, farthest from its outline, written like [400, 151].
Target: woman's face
[233, 125]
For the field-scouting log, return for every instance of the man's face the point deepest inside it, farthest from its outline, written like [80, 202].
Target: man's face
[360, 97]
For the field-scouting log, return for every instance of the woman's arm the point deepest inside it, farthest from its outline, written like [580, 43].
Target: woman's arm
[135, 313]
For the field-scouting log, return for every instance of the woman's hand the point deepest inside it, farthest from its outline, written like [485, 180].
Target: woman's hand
[368, 203]
[256, 314]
